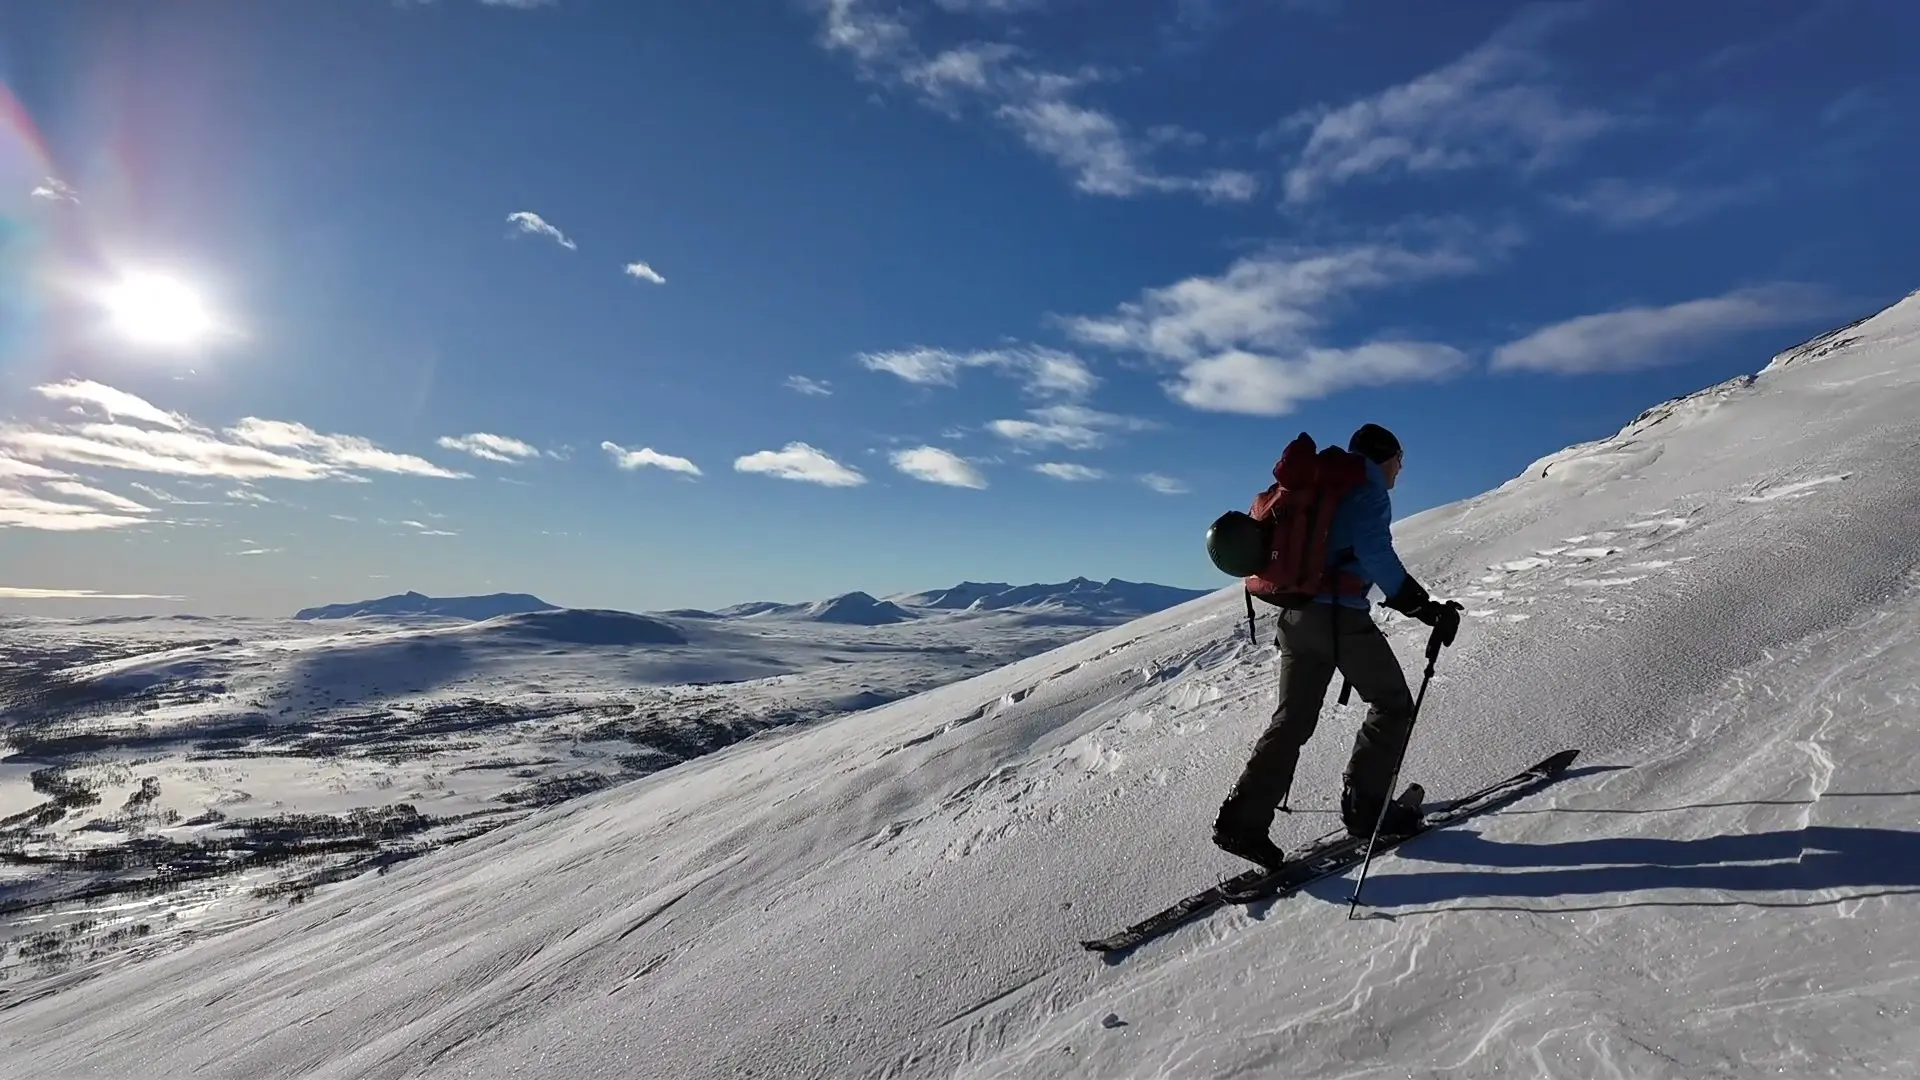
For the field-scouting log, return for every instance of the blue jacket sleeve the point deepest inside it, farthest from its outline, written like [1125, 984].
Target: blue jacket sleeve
[1373, 539]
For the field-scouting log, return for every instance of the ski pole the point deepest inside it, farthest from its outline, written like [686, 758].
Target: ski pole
[1434, 645]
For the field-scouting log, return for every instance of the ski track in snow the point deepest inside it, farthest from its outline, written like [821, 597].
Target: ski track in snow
[1727, 625]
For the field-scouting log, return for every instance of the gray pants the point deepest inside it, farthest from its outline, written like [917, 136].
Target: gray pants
[1316, 643]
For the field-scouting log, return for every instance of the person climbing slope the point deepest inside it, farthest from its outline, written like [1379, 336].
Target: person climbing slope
[1320, 578]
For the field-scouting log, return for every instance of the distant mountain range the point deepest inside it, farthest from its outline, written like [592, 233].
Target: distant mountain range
[1110, 597]
[1079, 598]
[453, 607]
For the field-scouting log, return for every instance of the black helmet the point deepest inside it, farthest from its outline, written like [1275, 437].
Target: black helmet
[1238, 544]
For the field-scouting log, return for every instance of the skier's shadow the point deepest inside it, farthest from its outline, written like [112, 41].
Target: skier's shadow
[1863, 861]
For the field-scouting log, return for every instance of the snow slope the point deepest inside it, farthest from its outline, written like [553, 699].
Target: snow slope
[1720, 606]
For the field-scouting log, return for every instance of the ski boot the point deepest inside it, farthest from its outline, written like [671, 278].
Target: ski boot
[1359, 812]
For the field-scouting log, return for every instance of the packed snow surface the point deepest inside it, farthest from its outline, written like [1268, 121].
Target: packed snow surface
[1719, 607]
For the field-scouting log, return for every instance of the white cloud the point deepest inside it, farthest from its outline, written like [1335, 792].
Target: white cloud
[1066, 470]
[1074, 427]
[1244, 341]
[248, 495]
[643, 272]
[1243, 382]
[1482, 109]
[804, 385]
[116, 404]
[1042, 371]
[1261, 301]
[258, 551]
[1642, 337]
[480, 444]
[17, 592]
[799, 461]
[937, 466]
[55, 190]
[1038, 105]
[648, 457]
[1165, 485]
[529, 222]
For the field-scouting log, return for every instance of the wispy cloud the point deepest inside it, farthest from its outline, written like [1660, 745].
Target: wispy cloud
[529, 222]
[11, 469]
[801, 462]
[502, 448]
[990, 7]
[1067, 470]
[1245, 341]
[21, 508]
[248, 495]
[643, 272]
[1164, 485]
[1038, 105]
[173, 445]
[19, 592]
[98, 496]
[937, 466]
[1489, 107]
[1641, 337]
[259, 551]
[648, 457]
[1042, 371]
[163, 496]
[344, 451]
[1074, 427]
[116, 404]
[1628, 204]
[802, 384]
[55, 190]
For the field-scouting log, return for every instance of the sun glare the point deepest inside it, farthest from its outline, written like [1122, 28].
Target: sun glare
[158, 310]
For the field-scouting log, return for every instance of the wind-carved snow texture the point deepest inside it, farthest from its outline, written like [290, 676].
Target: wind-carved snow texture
[1724, 886]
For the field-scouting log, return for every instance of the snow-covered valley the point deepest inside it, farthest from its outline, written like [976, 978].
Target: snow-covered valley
[168, 777]
[1719, 606]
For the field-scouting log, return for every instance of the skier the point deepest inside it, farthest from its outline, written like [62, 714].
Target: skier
[1333, 632]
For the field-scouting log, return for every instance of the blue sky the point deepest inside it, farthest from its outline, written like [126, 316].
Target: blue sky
[643, 304]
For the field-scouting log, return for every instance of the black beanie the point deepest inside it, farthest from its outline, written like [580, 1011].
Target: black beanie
[1375, 443]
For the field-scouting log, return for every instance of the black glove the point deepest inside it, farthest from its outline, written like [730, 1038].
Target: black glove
[1409, 597]
[1444, 617]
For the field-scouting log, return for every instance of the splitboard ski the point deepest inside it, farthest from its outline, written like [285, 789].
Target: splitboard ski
[1331, 854]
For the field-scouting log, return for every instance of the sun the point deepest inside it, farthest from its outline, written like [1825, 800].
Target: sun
[158, 310]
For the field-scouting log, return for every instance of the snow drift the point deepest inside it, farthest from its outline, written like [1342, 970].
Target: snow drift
[1719, 606]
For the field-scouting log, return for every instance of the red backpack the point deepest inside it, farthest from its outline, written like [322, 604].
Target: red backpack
[1297, 509]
